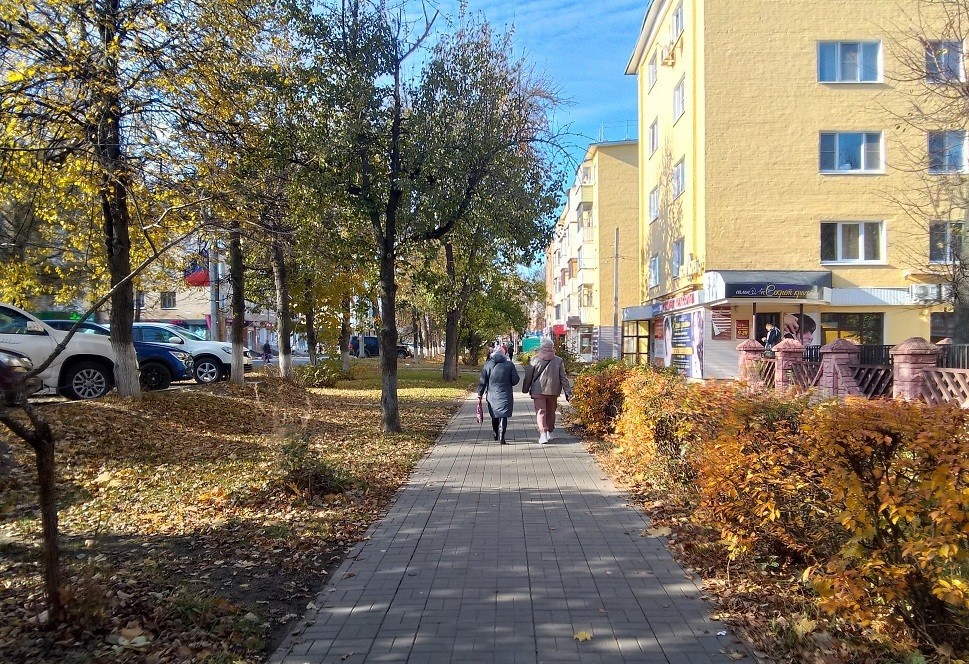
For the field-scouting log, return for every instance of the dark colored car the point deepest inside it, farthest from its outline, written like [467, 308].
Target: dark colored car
[371, 348]
[160, 364]
[14, 367]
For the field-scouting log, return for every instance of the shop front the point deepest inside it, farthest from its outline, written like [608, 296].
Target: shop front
[635, 343]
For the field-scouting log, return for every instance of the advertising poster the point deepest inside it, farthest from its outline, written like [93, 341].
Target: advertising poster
[684, 343]
[743, 329]
[722, 324]
[808, 333]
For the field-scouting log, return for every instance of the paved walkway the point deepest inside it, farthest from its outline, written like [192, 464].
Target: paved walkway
[500, 554]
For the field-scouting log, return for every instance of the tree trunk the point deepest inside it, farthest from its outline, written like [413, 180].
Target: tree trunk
[451, 342]
[115, 179]
[284, 321]
[237, 279]
[47, 490]
[388, 340]
[416, 323]
[309, 306]
[345, 335]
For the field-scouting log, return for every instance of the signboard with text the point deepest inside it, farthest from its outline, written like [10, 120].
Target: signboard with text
[785, 291]
[743, 329]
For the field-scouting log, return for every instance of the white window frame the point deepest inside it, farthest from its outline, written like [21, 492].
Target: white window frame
[840, 259]
[679, 100]
[652, 71]
[654, 137]
[678, 254]
[950, 257]
[679, 178]
[879, 70]
[654, 271]
[931, 50]
[654, 204]
[859, 171]
[677, 24]
[965, 155]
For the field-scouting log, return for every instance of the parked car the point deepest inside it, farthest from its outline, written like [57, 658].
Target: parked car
[213, 359]
[13, 369]
[371, 348]
[160, 364]
[85, 368]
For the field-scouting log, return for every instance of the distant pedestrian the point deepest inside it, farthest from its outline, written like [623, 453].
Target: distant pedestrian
[267, 352]
[772, 338]
[545, 380]
[497, 378]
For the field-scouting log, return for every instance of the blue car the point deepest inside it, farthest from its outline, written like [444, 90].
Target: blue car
[160, 364]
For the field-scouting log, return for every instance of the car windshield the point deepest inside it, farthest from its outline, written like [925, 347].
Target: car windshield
[189, 335]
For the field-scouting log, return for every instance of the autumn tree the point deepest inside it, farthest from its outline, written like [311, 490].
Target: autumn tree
[412, 144]
[928, 74]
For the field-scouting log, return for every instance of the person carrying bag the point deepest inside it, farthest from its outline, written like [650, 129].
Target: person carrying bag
[498, 377]
[546, 380]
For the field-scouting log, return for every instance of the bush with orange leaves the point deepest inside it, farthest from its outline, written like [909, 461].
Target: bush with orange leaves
[597, 397]
[899, 474]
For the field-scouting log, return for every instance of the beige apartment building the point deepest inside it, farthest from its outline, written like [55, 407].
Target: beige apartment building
[774, 167]
[593, 262]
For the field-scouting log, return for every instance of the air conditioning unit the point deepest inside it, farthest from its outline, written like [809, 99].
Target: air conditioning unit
[925, 293]
[668, 55]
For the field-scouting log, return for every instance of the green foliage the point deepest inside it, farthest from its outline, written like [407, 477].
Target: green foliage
[324, 374]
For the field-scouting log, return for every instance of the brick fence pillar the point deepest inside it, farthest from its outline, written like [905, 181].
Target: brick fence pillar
[836, 357]
[910, 358]
[750, 352]
[787, 352]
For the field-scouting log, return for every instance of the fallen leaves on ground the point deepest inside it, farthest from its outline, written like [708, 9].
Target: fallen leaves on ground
[184, 540]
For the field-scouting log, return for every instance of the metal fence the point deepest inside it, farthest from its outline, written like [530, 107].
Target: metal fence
[954, 356]
[869, 354]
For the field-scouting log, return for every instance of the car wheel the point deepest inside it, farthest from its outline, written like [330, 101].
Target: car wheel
[401, 355]
[86, 380]
[208, 370]
[155, 376]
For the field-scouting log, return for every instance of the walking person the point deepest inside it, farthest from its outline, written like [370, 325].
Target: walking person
[267, 352]
[547, 381]
[497, 378]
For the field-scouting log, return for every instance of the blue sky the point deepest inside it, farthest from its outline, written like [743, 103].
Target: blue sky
[584, 48]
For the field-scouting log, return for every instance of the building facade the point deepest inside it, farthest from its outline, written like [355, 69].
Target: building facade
[593, 263]
[773, 173]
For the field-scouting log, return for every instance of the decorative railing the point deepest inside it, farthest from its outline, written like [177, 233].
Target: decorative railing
[874, 380]
[765, 371]
[946, 386]
[805, 375]
[953, 356]
[869, 354]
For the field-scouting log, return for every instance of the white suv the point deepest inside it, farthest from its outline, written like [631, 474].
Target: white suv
[213, 359]
[84, 370]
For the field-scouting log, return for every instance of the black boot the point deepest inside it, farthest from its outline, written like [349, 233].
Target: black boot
[494, 425]
[504, 427]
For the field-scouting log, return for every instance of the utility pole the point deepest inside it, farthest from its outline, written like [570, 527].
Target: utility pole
[214, 298]
[615, 299]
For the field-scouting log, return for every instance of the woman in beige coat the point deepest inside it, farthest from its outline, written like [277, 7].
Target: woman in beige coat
[548, 382]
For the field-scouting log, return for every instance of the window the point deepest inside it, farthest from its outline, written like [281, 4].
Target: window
[153, 334]
[851, 152]
[585, 296]
[678, 247]
[851, 241]
[941, 326]
[139, 299]
[654, 137]
[654, 271]
[654, 204]
[652, 70]
[679, 179]
[943, 61]
[947, 151]
[558, 312]
[168, 300]
[677, 25]
[945, 241]
[849, 62]
[579, 258]
[14, 322]
[586, 175]
[865, 329]
[679, 99]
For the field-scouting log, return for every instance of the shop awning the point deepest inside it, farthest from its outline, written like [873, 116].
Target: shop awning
[767, 285]
[558, 329]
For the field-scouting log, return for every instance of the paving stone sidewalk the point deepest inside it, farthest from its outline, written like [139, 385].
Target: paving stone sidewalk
[501, 554]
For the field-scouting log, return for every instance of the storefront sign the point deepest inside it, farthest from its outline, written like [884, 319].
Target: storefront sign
[743, 329]
[674, 303]
[786, 291]
[722, 320]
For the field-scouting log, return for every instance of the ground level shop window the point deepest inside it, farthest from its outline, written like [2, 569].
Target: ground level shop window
[635, 342]
[864, 329]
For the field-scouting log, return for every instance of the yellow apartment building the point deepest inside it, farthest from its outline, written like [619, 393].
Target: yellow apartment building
[772, 165]
[592, 266]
